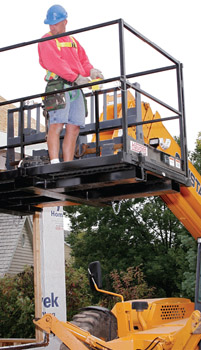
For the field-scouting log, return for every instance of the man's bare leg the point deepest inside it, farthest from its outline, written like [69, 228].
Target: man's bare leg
[69, 142]
[53, 140]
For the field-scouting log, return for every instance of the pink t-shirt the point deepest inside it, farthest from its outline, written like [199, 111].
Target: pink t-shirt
[66, 62]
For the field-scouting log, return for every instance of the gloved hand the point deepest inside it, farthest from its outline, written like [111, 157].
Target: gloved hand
[81, 80]
[95, 73]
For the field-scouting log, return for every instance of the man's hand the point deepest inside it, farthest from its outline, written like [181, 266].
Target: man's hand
[95, 73]
[81, 80]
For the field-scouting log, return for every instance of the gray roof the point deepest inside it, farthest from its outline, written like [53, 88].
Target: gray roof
[10, 229]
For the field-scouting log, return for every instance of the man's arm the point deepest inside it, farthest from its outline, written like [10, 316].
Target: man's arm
[87, 66]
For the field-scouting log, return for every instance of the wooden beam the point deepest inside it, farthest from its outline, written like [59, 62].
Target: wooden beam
[37, 273]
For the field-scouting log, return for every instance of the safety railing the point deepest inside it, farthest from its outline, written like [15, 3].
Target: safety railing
[25, 134]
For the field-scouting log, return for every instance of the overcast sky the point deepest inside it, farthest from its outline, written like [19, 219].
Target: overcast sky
[173, 25]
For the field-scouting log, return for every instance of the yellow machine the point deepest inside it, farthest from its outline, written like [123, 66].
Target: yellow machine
[168, 323]
[160, 324]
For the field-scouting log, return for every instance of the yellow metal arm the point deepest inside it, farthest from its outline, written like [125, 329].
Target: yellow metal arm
[71, 335]
[51, 324]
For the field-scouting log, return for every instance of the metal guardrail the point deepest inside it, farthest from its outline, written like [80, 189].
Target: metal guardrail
[123, 79]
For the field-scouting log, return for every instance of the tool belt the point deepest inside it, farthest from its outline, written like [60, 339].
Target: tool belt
[57, 100]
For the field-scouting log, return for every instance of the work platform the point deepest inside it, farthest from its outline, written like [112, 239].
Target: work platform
[117, 156]
[92, 181]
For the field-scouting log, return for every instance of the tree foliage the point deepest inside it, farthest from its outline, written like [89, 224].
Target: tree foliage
[189, 276]
[144, 233]
[99, 234]
[17, 305]
[78, 293]
[131, 284]
[195, 156]
[17, 300]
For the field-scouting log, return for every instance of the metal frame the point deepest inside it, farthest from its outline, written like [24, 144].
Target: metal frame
[124, 164]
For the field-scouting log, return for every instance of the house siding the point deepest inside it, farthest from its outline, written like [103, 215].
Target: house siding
[23, 255]
[12, 229]
[14, 255]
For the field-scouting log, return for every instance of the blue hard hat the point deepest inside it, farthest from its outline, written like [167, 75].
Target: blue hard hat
[55, 14]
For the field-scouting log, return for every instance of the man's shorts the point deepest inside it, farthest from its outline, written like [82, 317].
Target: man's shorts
[73, 113]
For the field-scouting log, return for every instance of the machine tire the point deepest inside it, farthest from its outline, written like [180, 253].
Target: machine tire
[99, 323]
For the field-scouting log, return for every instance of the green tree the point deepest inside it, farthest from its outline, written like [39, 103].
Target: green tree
[189, 276]
[166, 267]
[118, 241]
[17, 305]
[78, 293]
[195, 156]
[131, 284]
[144, 233]
[17, 300]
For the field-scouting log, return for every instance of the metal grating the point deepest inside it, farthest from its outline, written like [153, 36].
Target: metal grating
[172, 312]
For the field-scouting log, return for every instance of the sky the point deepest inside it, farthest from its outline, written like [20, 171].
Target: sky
[173, 25]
